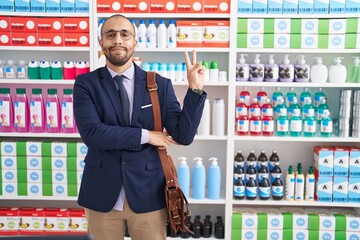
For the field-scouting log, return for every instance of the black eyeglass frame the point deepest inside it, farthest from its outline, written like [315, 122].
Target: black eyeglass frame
[123, 37]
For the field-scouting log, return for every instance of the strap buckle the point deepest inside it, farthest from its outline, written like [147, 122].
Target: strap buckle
[152, 87]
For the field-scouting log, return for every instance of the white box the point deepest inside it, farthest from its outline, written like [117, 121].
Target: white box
[352, 223]
[309, 26]
[248, 233]
[354, 189]
[274, 234]
[275, 221]
[58, 163]
[9, 189]
[354, 159]
[59, 177]
[8, 148]
[80, 163]
[34, 163]
[82, 149]
[341, 162]
[9, 176]
[255, 25]
[8, 162]
[34, 176]
[245, 6]
[282, 40]
[337, 26]
[249, 221]
[340, 189]
[255, 40]
[309, 41]
[337, 41]
[34, 189]
[60, 190]
[324, 189]
[33, 148]
[58, 149]
[282, 25]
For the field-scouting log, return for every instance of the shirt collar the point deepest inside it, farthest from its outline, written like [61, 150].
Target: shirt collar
[128, 73]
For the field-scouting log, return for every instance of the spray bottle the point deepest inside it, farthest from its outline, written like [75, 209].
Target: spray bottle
[198, 179]
[214, 179]
[184, 176]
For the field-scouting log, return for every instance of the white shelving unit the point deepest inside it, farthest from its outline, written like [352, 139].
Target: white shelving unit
[291, 149]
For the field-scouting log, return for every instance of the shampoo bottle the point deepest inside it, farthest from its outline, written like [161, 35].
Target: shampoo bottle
[44, 70]
[214, 179]
[37, 111]
[271, 70]
[33, 70]
[299, 185]
[302, 70]
[67, 112]
[257, 70]
[184, 176]
[6, 111]
[52, 112]
[21, 111]
[286, 70]
[198, 179]
[354, 71]
[290, 185]
[310, 185]
[242, 69]
[56, 70]
[337, 71]
[319, 72]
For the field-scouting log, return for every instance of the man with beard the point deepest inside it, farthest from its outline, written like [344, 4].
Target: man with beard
[123, 180]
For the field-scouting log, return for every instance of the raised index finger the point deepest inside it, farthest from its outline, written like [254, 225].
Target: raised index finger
[187, 59]
[194, 57]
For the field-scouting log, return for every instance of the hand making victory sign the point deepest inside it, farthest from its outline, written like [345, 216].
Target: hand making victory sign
[195, 71]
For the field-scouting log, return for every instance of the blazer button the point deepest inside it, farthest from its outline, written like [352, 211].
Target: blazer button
[123, 163]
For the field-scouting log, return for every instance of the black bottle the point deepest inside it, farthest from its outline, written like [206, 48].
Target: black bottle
[273, 159]
[239, 189]
[189, 226]
[262, 159]
[239, 173]
[251, 158]
[239, 159]
[251, 189]
[197, 227]
[207, 227]
[277, 189]
[276, 172]
[264, 188]
[219, 228]
[263, 172]
[250, 172]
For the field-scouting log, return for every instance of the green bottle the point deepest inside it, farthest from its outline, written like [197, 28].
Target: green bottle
[303, 96]
[326, 127]
[275, 97]
[323, 107]
[354, 71]
[294, 109]
[308, 110]
[290, 97]
[281, 109]
[309, 126]
[282, 125]
[319, 95]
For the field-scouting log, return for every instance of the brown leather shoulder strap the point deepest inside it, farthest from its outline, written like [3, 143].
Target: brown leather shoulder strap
[152, 88]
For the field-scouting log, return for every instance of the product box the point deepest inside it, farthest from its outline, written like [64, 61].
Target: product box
[22, 6]
[81, 149]
[9, 189]
[245, 25]
[345, 235]
[324, 159]
[52, 5]
[352, 223]
[109, 6]
[275, 6]
[37, 6]
[31, 221]
[76, 39]
[296, 234]
[33, 148]
[11, 148]
[309, 26]
[321, 6]
[309, 41]
[275, 220]
[9, 163]
[260, 6]
[59, 163]
[76, 25]
[5, 39]
[216, 33]
[162, 6]
[354, 189]
[50, 25]
[82, 6]
[337, 6]
[295, 218]
[130, 6]
[281, 25]
[306, 6]
[340, 189]
[341, 162]
[4, 24]
[274, 234]
[7, 6]
[324, 222]
[290, 6]
[56, 221]
[352, 25]
[334, 41]
[185, 6]
[352, 6]
[315, 234]
[281, 41]
[33, 163]
[9, 221]
[245, 6]
[50, 39]
[22, 24]
[9, 176]
[33, 189]
[324, 189]
[77, 221]
[190, 33]
[354, 162]
[352, 40]
[216, 6]
[67, 6]
[29, 176]
[332, 26]
[250, 40]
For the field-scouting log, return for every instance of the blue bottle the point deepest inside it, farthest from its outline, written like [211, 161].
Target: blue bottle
[183, 171]
[214, 179]
[198, 179]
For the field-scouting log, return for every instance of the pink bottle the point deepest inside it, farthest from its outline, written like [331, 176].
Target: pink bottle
[268, 126]
[242, 125]
[52, 112]
[254, 109]
[267, 109]
[241, 109]
[37, 111]
[80, 68]
[245, 94]
[261, 96]
[255, 126]
[69, 70]
[21, 111]
[67, 112]
[6, 111]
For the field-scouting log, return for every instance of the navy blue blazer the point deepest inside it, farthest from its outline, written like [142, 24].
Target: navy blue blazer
[115, 156]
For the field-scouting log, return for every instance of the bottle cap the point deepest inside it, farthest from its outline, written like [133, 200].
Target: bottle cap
[286, 59]
[182, 161]
[290, 170]
[162, 21]
[21, 62]
[301, 59]
[205, 64]
[5, 90]
[171, 67]
[198, 161]
[171, 21]
[67, 91]
[142, 21]
[311, 170]
[356, 61]
[152, 22]
[36, 91]
[318, 60]
[163, 67]
[20, 91]
[242, 58]
[337, 60]
[214, 161]
[271, 59]
[52, 91]
[257, 59]
[214, 65]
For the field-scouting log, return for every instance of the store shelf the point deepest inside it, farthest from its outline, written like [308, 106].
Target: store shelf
[50, 49]
[293, 203]
[264, 15]
[178, 49]
[210, 137]
[293, 50]
[38, 198]
[297, 84]
[297, 139]
[40, 135]
[36, 81]
[45, 14]
[168, 15]
[216, 84]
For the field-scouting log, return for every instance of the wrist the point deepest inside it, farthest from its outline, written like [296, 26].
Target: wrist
[197, 90]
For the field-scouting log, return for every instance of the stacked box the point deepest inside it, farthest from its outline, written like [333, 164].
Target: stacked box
[9, 221]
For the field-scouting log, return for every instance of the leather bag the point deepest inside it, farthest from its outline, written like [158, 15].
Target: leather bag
[176, 203]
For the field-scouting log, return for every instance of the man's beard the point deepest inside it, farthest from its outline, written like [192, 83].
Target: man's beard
[116, 60]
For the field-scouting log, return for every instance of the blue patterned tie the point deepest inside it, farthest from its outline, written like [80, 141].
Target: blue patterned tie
[123, 98]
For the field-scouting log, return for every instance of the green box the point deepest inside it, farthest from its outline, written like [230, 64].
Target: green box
[46, 163]
[72, 177]
[236, 234]
[242, 24]
[262, 222]
[21, 162]
[340, 222]
[46, 149]
[350, 40]
[352, 25]
[22, 176]
[295, 41]
[22, 189]
[241, 41]
[314, 235]
[295, 26]
[72, 190]
[47, 177]
[269, 40]
[314, 221]
[71, 164]
[287, 234]
[262, 234]
[323, 27]
[323, 41]
[71, 149]
[47, 189]
[269, 25]
[236, 221]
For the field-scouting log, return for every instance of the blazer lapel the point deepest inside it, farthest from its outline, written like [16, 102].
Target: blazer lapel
[139, 93]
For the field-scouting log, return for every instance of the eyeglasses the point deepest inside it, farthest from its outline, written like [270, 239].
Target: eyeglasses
[124, 34]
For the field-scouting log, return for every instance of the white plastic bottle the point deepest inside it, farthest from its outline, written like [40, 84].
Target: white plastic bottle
[319, 72]
[299, 185]
[218, 117]
[99, 33]
[10, 70]
[151, 34]
[214, 179]
[171, 71]
[161, 35]
[2, 71]
[198, 179]
[337, 71]
[135, 28]
[141, 35]
[290, 185]
[22, 70]
[184, 176]
[171, 34]
[310, 185]
[204, 126]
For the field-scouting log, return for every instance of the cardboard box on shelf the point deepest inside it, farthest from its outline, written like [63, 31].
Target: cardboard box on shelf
[245, 6]
[324, 189]
[309, 41]
[22, 6]
[5, 38]
[56, 221]
[77, 221]
[321, 6]
[7, 6]
[37, 6]
[337, 6]
[354, 189]
[76, 25]
[24, 39]
[275, 6]
[162, 6]
[82, 6]
[130, 6]
[352, 6]
[23, 24]
[216, 6]
[4, 24]
[9, 220]
[50, 25]
[50, 39]
[306, 6]
[31, 221]
[216, 33]
[354, 159]
[189, 33]
[340, 189]
[109, 6]
[186, 6]
[52, 6]
[67, 5]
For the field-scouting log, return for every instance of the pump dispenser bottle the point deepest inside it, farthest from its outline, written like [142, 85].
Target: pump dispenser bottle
[286, 70]
[302, 70]
[198, 179]
[319, 72]
[271, 70]
[257, 70]
[337, 71]
[354, 71]
[184, 176]
[214, 179]
[242, 69]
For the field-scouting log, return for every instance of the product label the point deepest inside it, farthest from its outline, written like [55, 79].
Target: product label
[309, 126]
[282, 125]
[268, 126]
[36, 113]
[295, 125]
[241, 111]
[243, 126]
[19, 114]
[251, 191]
[21, 73]
[246, 99]
[9, 73]
[67, 115]
[267, 112]
[326, 126]
[4, 113]
[277, 191]
[294, 112]
[51, 115]
[254, 112]
[255, 126]
[264, 192]
[281, 112]
[239, 191]
[308, 112]
[318, 99]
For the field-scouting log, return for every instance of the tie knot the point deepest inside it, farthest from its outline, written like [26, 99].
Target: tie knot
[119, 79]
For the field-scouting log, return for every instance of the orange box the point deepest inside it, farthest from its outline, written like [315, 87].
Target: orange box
[56, 221]
[216, 6]
[77, 221]
[51, 39]
[50, 25]
[31, 221]
[23, 24]
[76, 25]
[4, 24]
[9, 221]
[109, 6]
[163, 6]
[76, 39]
[131, 6]
[189, 33]
[216, 33]
[24, 39]
[187, 6]
[5, 39]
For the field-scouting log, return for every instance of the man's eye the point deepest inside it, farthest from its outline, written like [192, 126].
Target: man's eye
[125, 34]
[110, 34]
